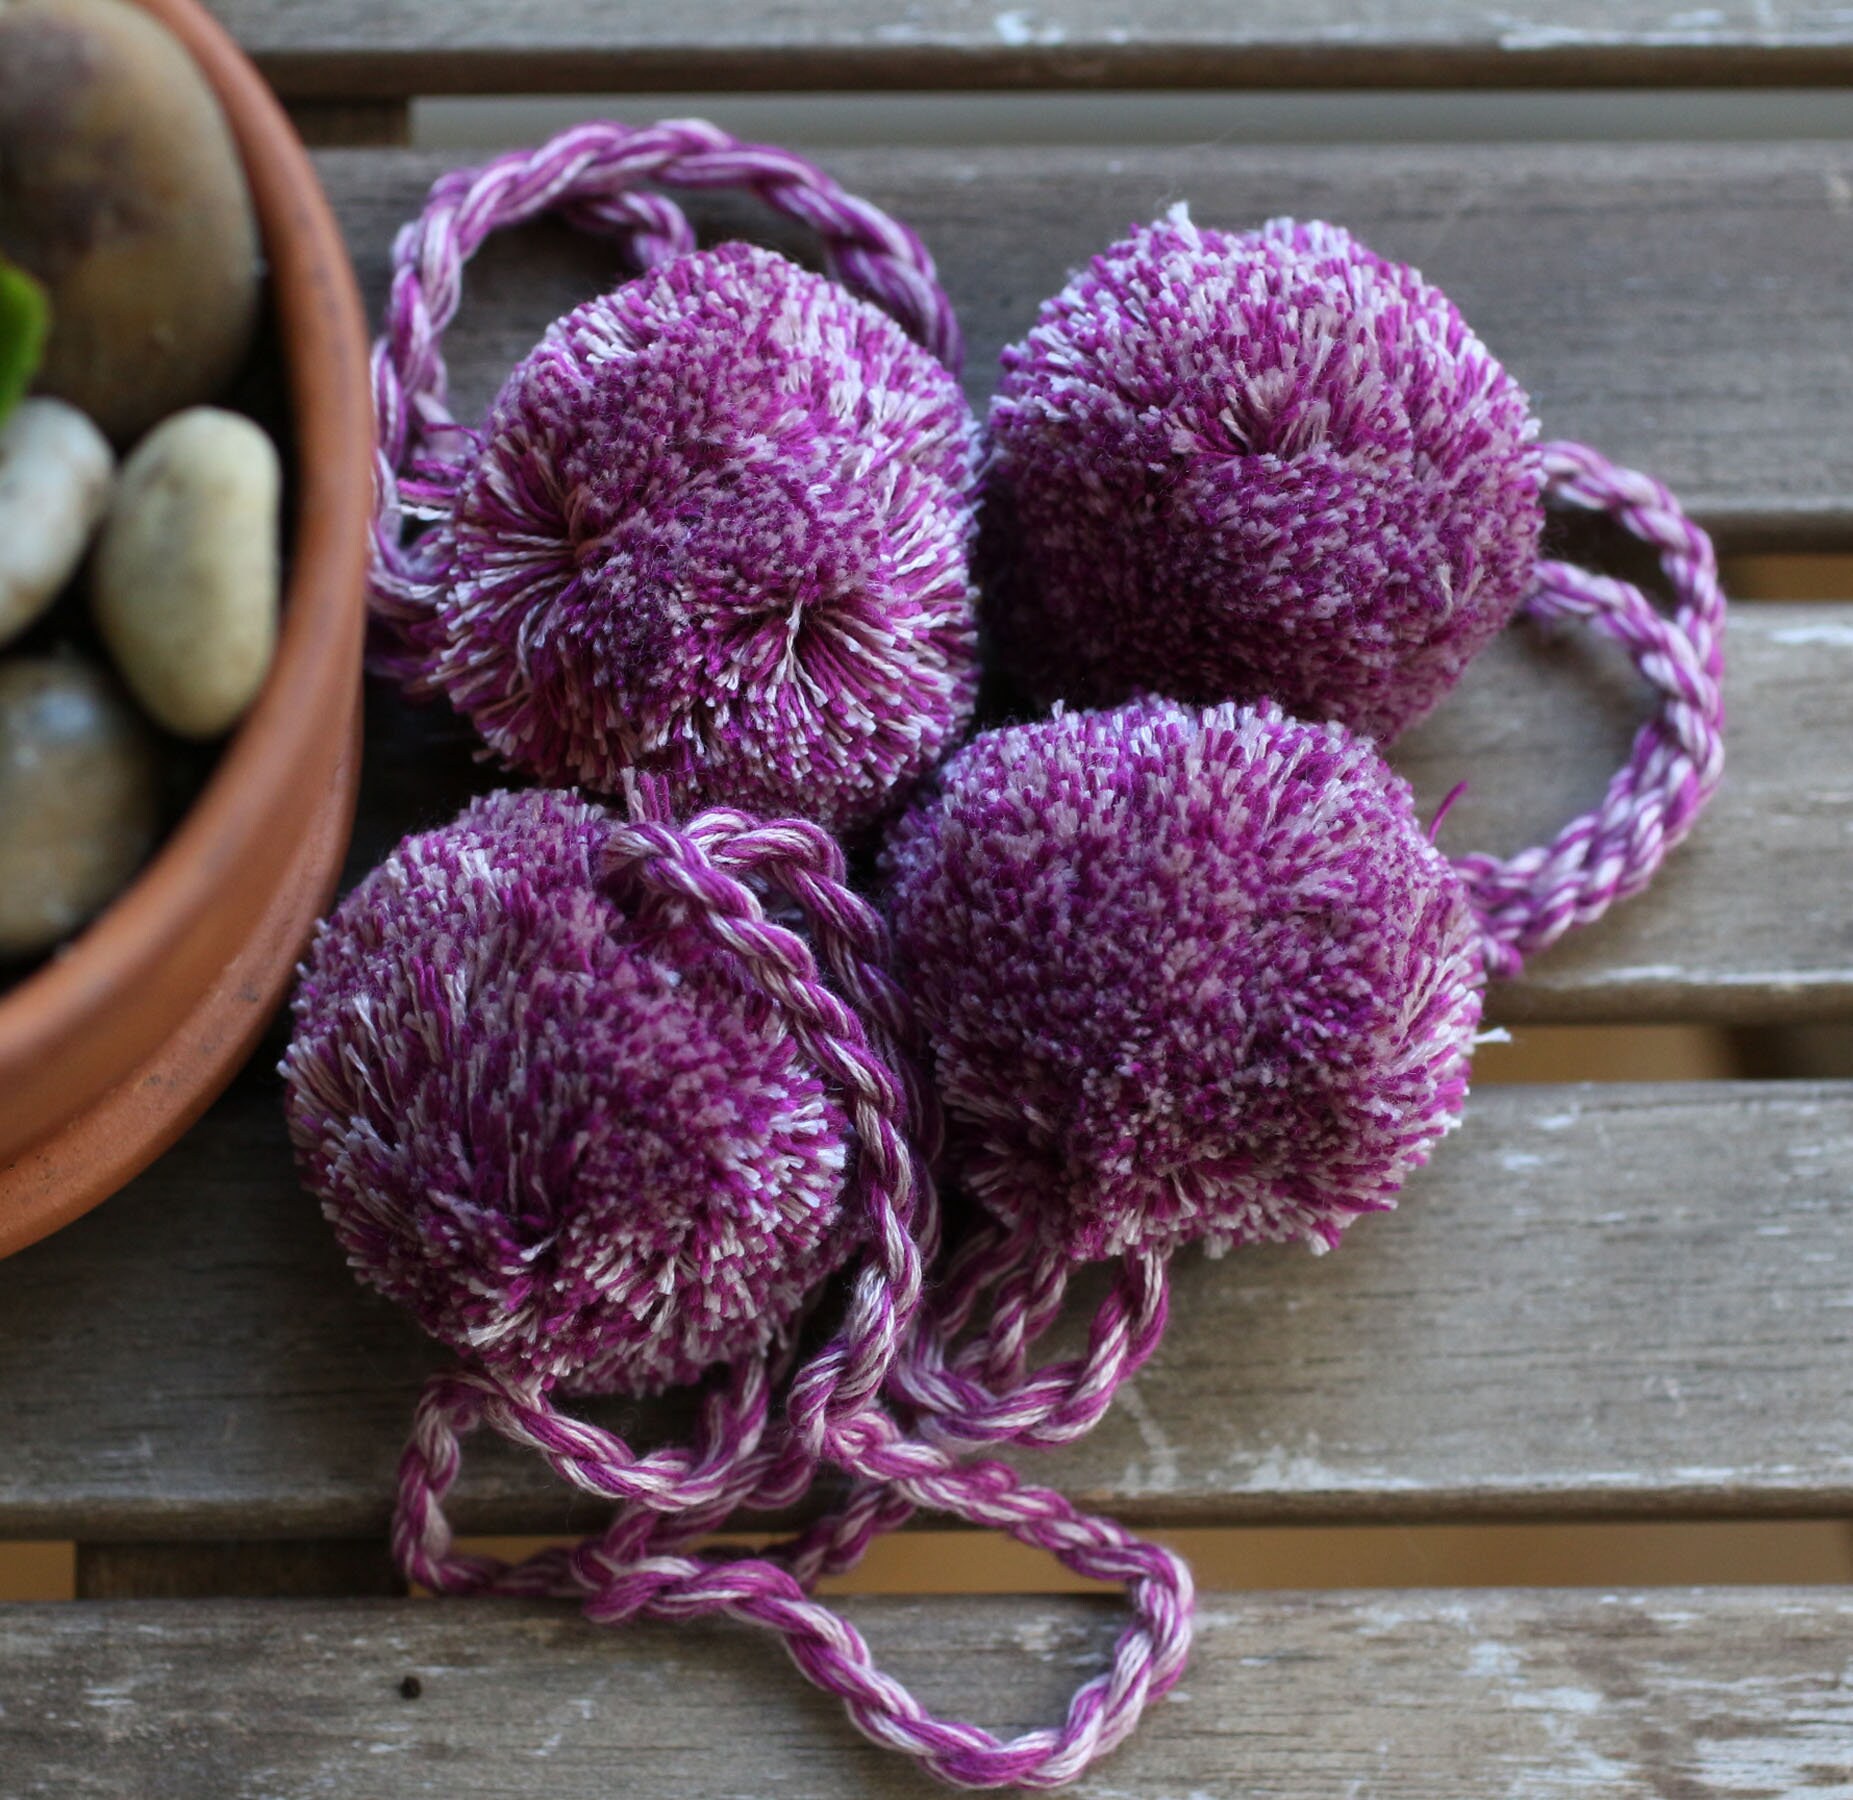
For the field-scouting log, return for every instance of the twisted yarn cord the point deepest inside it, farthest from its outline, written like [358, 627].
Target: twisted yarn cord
[668, 1498]
[807, 864]
[979, 1263]
[1528, 901]
[848, 1047]
[980, 1397]
[1147, 1659]
[591, 175]
[631, 1571]
[981, 1394]
[1030, 1285]
[696, 1485]
[960, 1409]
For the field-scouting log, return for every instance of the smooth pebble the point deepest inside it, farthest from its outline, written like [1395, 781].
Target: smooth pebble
[55, 469]
[186, 571]
[78, 800]
[121, 189]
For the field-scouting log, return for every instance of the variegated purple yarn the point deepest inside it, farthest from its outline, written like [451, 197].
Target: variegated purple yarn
[1269, 465]
[1527, 901]
[1189, 975]
[566, 1132]
[716, 528]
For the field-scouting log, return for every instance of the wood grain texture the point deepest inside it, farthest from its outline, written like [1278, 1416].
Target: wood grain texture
[1678, 306]
[365, 47]
[1595, 1302]
[1703, 1694]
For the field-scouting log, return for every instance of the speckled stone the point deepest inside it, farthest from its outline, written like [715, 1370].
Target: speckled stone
[78, 800]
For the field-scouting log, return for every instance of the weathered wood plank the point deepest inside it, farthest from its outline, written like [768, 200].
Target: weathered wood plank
[352, 47]
[1596, 1302]
[1680, 306]
[1709, 1694]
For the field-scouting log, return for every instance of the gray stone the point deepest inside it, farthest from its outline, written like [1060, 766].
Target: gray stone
[77, 800]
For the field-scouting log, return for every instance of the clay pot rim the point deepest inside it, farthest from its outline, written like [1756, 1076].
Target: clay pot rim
[309, 691]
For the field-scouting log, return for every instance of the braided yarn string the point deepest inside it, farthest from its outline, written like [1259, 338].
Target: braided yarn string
[1528, 901]
[680, 865]
[981, 1393]
[1031, 1285]
[591, 175]
[1147, 1658]
[633, 1571]
[695, 1485]
[668, 1498]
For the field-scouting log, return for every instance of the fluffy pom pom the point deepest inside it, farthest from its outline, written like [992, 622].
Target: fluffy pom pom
[576, 1143]
[1190, 976]
[718, 531]
[1261, 466]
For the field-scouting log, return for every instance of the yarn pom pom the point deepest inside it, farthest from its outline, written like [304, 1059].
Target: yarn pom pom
[717, 531]
[1190, 976]
[1261, 466]
[573, 1141]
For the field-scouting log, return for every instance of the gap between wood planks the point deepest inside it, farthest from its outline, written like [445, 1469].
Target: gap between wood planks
[1760, 1552]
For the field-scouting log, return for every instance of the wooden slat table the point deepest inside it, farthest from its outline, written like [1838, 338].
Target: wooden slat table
[1597, 1302]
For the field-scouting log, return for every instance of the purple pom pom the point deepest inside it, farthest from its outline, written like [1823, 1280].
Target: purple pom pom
[575, 1142]
[1267, 466]
[718, 531]
[1190, 976]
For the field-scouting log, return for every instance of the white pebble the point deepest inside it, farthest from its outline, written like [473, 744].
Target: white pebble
[55, 469]
[186, 573]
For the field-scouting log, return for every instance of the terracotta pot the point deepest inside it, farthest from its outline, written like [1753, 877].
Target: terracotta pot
[115, 1046]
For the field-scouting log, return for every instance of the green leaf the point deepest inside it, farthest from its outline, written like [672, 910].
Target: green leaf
[25, 318]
